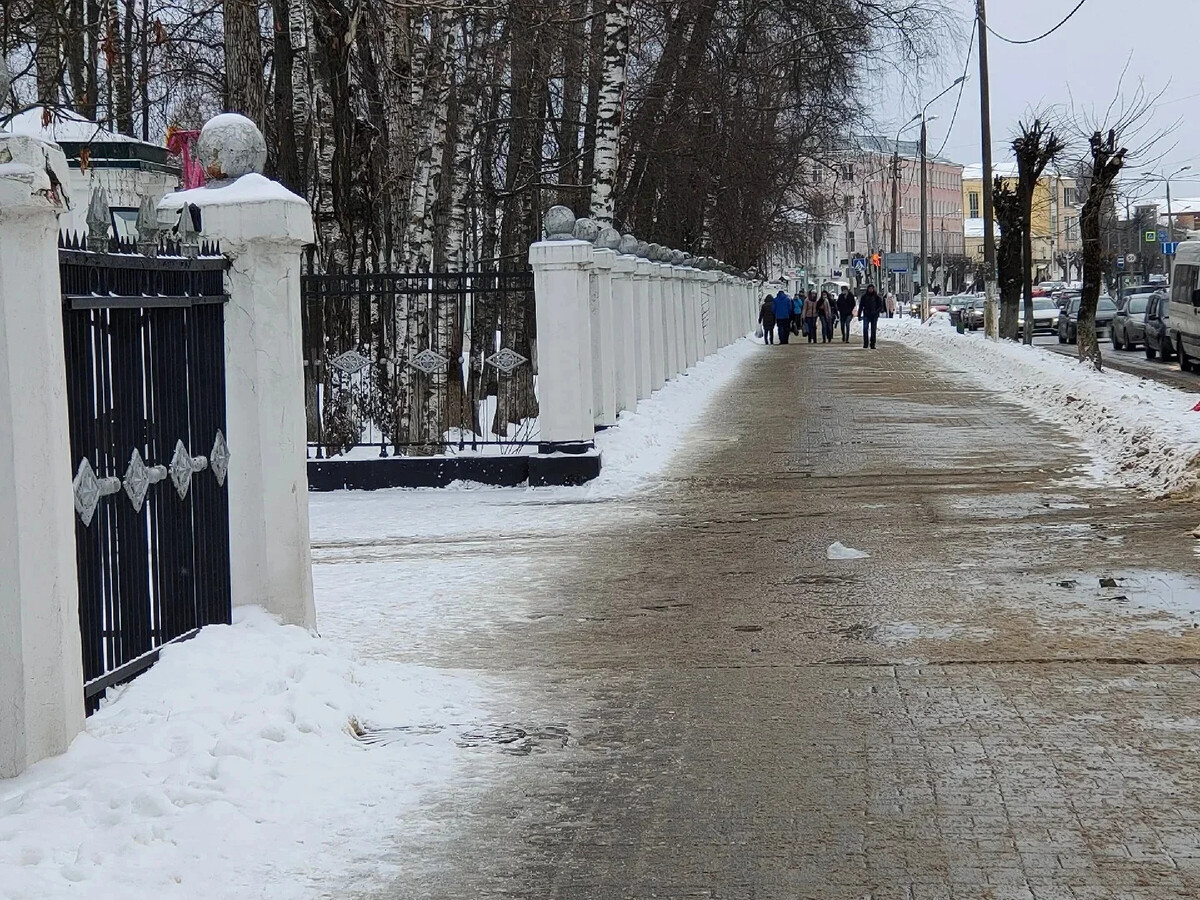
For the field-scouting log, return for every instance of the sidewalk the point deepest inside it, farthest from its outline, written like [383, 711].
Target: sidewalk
[968, 713]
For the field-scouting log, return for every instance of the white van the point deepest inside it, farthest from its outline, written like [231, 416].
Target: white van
[1185, 305]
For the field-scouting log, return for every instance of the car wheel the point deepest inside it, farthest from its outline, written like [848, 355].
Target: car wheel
[1185, 362]
[1062, 339]
[1151, 353]
[1117, 345]
[1073, 336]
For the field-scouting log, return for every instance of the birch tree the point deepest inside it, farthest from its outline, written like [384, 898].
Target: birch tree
[608, 113]
[244, 60]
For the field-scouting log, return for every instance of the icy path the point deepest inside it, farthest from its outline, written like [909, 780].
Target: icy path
[229, 770]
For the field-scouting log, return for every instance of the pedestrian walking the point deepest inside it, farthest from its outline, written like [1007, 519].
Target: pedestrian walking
[766, 319]
[845, 311]
[890, 304]
[782, 307]
[869, 309]
[797, 312]
[810, 317]
[825, 314]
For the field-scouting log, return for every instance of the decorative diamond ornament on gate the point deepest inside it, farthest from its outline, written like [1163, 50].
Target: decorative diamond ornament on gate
[506, 360]
[428, 362]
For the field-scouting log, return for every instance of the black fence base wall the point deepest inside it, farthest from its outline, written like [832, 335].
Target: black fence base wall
[563, 469]
[401, 472]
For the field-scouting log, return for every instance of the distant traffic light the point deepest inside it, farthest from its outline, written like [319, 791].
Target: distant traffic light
[875, 260]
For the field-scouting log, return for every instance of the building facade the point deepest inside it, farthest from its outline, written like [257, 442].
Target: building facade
[1054, 223]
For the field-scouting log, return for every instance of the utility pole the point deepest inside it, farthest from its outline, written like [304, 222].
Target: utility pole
[924, 208]
[895, 193]
[991, 316]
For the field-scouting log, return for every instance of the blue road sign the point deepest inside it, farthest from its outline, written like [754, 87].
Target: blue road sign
[861, 265]
[1162, 235]
[1120, 262]
[1169, 247]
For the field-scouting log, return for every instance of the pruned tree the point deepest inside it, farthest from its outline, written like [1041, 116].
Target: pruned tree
[1007, 206]
[1107, 160]
[1035, 148]
[608, 110]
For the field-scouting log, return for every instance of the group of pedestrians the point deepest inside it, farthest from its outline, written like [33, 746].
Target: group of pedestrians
[784, 316]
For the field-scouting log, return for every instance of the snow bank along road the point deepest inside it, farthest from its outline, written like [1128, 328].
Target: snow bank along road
[230, 769]
[1143, 435]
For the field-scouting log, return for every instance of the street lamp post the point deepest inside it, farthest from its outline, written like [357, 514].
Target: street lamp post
[1170, 220]
[924, 201]
[896, 184]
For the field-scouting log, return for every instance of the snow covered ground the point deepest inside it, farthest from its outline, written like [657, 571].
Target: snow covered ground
[1142, 435]
[230, 768]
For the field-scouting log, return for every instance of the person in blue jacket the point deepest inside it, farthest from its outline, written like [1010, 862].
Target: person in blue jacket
[798, 313]
[783, 315]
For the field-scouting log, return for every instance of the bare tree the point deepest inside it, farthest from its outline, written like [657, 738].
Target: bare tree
[1035, 148]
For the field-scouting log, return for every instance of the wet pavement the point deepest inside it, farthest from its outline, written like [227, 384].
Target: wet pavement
[1002, 701]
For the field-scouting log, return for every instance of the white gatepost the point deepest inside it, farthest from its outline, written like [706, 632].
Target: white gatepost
[262, 228]
[604, 390]
[693, 286]
[642, 330]
[678, 325]
[562, 284]
[691, 316]
[625, 343]
[658, 340]
[715, 338]
[41, 663]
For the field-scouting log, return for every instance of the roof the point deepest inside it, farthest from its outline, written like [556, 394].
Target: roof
[873, 143]
[66, 127]
[974, 172]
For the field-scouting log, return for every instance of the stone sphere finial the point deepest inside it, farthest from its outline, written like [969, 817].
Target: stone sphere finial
[629, 245]
[608, 239]
[677, 257]
[559, 224]
[231, 146]
[643, 250]
[664, 254]
[586, 230]
[652, 252]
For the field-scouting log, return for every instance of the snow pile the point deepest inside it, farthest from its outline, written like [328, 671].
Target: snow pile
[230, 770]
[838, 550]
[643, 441]
[1143, 435]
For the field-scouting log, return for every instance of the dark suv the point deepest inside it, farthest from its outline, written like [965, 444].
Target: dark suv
[1068, 318]
[1158, 326]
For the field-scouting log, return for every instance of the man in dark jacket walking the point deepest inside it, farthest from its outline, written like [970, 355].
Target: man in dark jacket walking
[845, 311]
[766, 318]
[869, 308]
[783, 315]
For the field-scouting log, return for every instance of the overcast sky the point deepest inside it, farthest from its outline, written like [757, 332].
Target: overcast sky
[1080, 63]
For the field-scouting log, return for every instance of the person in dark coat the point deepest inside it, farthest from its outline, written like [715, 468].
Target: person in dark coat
[810, 317]
[825, 314]
[766, 318]
[845, 311]
[783, 315]
[869, 309]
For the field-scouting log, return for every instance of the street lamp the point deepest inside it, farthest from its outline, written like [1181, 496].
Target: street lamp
[896, 185]
[924, 202]
[1170, 221]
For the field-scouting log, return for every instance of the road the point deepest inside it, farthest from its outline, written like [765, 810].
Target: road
[1134, 362]
[995, 704]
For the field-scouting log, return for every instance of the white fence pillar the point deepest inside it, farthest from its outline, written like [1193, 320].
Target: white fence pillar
[694, 285]
[658, 339]
[714, 337]
[691, 316]
[41, 667]
[562, 285]
[678, 325]
[641, 303]
[625, 342]
[604, 391]
[262, 228]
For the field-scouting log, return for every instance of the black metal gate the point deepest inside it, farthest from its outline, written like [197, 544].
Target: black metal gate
[419, 364]
[145, 353]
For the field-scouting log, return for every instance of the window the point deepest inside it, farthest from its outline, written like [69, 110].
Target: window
[1068, 196]
[1183, 282]
[973, 204]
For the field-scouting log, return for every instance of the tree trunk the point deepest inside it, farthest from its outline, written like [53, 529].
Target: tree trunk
[286, 154]
[1107, 161]
[608, 115]
[48, 52]
[244, 61]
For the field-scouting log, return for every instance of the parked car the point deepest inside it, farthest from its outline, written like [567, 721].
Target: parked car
[1157, 327]
[1185, 306]
[1129, 324]
[973, 313]
[955, 306]
[1045, 316]
[1068, 318]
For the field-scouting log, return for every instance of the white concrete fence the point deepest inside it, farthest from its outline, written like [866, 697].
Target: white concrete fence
[617, 318]
[262, 228]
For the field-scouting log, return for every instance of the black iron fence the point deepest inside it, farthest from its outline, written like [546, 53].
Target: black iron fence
[145, 351]
[419, 364]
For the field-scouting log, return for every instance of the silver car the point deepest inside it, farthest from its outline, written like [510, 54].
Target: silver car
[1128, 330]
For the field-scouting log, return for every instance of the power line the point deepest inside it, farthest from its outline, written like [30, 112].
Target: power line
[1047, 34]
[962, 84]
